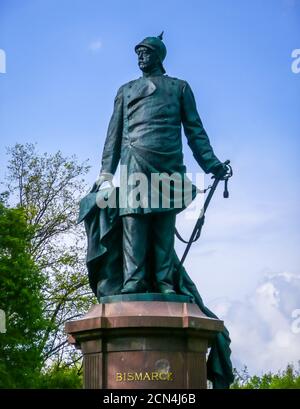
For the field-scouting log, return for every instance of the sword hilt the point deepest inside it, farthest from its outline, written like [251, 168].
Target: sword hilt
[226, 193]
[226, 178]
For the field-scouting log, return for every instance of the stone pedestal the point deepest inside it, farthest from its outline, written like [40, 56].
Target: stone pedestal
[144, 344]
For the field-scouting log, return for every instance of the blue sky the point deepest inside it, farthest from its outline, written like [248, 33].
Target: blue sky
[66, 60]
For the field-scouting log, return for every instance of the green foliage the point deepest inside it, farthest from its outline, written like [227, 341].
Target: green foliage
[62, 377]
[48, 187]
[286, 379]
[21, 299]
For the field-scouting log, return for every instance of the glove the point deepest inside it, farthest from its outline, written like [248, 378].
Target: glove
[104, 177]
[220, 170]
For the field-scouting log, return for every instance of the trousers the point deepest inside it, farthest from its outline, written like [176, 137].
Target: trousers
[148, 248]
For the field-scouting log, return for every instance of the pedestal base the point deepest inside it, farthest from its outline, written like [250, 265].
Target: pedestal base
[144, 345]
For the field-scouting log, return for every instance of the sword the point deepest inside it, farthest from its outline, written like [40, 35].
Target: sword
[199, 224]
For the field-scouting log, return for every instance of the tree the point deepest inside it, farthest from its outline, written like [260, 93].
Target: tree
[21, 283]
[49, 187]
[286, 379]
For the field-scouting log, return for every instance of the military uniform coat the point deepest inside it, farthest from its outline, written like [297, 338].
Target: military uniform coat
[144, 133]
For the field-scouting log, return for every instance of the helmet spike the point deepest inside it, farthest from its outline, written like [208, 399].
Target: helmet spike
[161, 35]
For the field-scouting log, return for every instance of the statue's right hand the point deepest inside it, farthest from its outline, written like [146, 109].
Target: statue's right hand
[104, 177]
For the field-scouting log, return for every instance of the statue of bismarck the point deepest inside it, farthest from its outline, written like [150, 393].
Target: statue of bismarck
[131, 247]
[144, 134]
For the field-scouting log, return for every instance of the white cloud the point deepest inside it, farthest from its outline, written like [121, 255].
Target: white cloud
[261, 326]
[95, 45]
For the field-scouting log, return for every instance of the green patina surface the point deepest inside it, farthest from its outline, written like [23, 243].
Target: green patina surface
[131, 249]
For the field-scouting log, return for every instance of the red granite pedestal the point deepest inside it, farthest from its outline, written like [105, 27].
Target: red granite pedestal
[144, 344]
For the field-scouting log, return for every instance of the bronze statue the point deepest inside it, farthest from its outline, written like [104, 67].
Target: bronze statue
[144, 133]
[131, 248]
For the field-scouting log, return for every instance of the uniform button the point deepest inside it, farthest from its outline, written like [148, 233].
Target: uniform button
[128, 96]
[130, 86]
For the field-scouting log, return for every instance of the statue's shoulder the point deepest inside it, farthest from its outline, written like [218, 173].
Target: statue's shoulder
[123, 88]
[129, 84]
[175, 81]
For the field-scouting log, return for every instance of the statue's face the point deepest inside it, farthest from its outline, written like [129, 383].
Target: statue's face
[147, 59]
